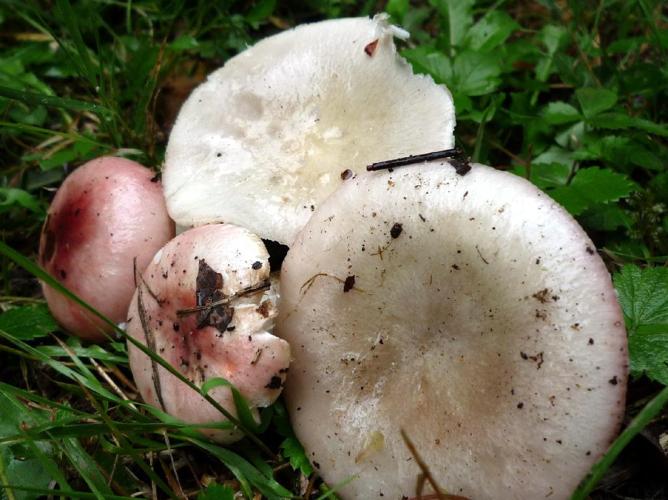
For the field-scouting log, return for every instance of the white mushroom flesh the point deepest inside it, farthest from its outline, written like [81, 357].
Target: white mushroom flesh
[266, 138]
[232, 340]
[480, 320]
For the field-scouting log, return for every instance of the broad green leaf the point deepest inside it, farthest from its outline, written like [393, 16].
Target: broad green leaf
[475, 73]
[397, 9]
[547, 175]
[553, 38]
[492, 30]
[457, 16]
[184, 42]
[572, 137]
[594, 101]
[28, 464]
[431, 62]
[617, 121]
[28, 322]
[606, 217]
[260, 11]
[643, 295]
[559, 112]
[216, 492]
[619, 151]
[555, 155]
[14, 197]
[592, 186]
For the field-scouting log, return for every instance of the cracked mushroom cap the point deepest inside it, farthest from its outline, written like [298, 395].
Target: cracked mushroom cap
[106, 214]
[206, 306]
[470, 311]
[269, 135]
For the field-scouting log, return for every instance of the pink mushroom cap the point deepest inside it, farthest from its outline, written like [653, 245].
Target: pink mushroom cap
[106, 214]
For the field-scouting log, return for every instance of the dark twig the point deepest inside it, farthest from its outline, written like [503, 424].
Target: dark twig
[150, 343]
[412, 159]
[251, 290]
[422, 465]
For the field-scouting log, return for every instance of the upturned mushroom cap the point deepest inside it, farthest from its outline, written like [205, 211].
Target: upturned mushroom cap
[267, 137]
[470, 311]
[226, 268]
[106, 214]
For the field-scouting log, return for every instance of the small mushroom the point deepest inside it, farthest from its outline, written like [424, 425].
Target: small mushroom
[277, 129]
[479, 321]
[205, 304]
[107, 214]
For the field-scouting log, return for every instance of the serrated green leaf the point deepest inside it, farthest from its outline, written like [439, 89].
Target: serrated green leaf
[492, 30]
[216, 492]
[594, 101]
[619, 151]
[292, 449]
[559, 112]
[617, 121]
[28, 322]
[643, 295]
[431, 62]
[592, 186]
[458, 18]
[475, 73]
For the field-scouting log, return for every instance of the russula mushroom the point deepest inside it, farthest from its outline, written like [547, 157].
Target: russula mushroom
[272, 133]
[206, 305]
[107, 216]
[469, 311]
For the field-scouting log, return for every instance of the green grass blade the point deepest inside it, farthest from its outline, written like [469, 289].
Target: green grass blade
[61, 493]
[35, 99]
[651, 410]
[245, 472]
[38, 272]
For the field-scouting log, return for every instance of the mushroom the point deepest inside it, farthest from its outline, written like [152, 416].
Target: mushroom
[206, 306]
[106, 214]
[470, 312]
[272, 133]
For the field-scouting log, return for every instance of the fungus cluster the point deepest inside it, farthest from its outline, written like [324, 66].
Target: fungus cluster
[442, 308]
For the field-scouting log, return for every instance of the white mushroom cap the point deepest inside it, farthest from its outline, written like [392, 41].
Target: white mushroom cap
[107, 217]
[480, 320]
[266, 138]
[202, 266]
